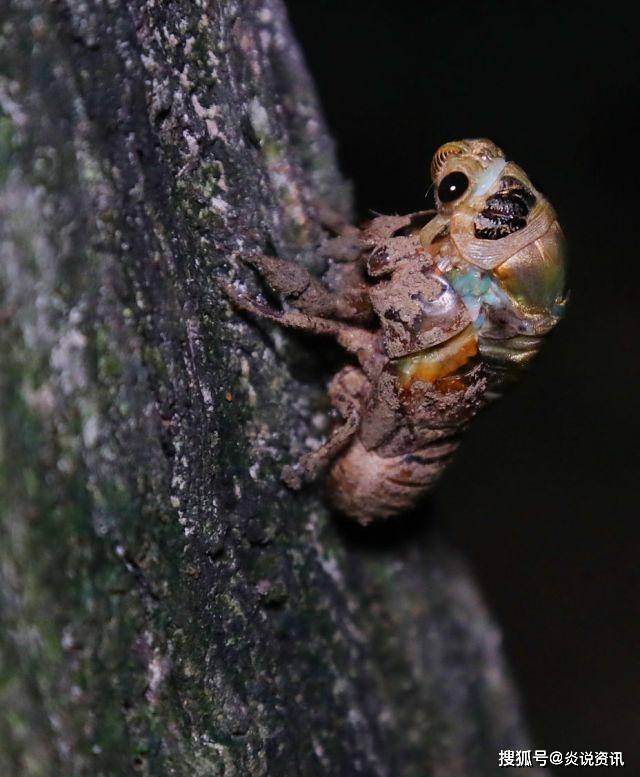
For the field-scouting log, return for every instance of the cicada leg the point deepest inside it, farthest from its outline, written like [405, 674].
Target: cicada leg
[360, 342]
[346, 394]
[345, 297]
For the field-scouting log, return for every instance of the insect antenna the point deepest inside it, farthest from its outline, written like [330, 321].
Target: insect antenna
[429, 190]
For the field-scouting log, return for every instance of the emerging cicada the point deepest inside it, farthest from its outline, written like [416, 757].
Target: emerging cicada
[441, 308]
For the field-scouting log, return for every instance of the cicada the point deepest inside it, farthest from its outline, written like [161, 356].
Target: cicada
[440, 311]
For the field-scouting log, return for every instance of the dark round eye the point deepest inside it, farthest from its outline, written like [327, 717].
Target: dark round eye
[452, 186]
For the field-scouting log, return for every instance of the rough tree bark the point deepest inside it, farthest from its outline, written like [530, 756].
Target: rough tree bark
[167, 607]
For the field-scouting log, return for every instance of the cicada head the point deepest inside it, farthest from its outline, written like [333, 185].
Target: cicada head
[459, 165]
[500, 226]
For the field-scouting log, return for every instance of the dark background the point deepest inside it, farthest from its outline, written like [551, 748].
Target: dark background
[543, 496]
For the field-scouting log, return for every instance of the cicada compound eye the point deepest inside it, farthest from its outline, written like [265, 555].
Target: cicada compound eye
[452, 186]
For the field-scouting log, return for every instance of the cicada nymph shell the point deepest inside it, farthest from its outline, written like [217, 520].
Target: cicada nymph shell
[481, 291]
[463, 297]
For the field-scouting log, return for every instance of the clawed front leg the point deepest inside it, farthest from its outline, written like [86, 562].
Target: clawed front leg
[358, 341]
[346, 393]
[346, 298]
[295, 284]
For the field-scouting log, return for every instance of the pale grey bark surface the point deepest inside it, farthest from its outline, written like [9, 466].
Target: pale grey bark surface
[167, 607]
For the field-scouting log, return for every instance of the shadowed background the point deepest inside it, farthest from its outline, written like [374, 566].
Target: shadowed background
[542, 497]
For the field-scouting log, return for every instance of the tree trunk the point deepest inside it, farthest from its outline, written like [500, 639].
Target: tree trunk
[167, 607]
